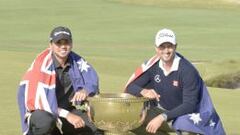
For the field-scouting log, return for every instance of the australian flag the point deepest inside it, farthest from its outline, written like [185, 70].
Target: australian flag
[37, 88]
[204, 121]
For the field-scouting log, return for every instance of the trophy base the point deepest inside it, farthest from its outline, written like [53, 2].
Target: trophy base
[114, 133]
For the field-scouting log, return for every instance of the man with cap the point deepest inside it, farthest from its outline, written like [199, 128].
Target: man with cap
[170, 82]
[56, 80]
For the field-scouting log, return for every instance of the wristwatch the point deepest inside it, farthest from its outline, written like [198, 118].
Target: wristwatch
[164, 115]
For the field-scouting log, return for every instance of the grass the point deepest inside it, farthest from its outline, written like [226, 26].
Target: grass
[115, 36]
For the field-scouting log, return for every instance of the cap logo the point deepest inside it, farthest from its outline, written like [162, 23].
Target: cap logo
[165, 35]
[61, 32]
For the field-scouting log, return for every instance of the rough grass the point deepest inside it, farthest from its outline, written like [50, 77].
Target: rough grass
[229, 81]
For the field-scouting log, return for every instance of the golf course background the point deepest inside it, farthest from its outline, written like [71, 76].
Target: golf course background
[116, 36]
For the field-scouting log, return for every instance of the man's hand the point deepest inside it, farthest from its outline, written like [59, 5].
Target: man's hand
[75, 120]
[155, 124]
[80, 95]
[150, 93]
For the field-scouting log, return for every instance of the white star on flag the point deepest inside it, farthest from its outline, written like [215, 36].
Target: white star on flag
[212, 123]
[195, 117]
[83, 66]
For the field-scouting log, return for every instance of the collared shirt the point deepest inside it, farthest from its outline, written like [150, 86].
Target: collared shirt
[179, 90]
[64, 88]
[174, 66]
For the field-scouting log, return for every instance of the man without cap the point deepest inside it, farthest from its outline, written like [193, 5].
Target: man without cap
[171, 82]
[57, 78]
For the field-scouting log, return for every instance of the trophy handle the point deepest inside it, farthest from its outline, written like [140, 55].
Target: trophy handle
[85, 107]
[89, 111]
[143, 115]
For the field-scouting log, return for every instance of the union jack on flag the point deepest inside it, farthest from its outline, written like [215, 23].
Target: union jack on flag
[143, 68]
[37, 88]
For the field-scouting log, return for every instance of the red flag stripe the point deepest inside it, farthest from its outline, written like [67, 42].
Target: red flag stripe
[143, 68]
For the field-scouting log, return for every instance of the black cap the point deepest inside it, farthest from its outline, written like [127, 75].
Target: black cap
[59, 33]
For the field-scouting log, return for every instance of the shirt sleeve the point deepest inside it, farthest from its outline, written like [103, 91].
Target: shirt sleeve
[191, 83]
[137, 85]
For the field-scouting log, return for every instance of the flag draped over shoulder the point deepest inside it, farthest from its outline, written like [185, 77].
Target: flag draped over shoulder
[37, 88]
[204, 121]
[143, 68]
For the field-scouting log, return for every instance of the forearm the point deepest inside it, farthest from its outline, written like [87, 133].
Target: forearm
[184, 108]
[138, 85]
[134, 89]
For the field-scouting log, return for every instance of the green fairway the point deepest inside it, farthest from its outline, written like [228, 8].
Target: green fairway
[116, 36]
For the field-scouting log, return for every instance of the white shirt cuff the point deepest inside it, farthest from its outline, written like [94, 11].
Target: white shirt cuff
[62, 112]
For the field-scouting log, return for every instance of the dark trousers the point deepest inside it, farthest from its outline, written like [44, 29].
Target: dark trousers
[152, 113]
[165, 128]
[44, 123]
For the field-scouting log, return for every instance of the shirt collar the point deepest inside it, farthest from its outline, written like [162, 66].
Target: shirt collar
[57, 64]
[174, 67]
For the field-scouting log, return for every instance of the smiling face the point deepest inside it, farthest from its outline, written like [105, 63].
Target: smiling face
[61, 49]
[166, 51]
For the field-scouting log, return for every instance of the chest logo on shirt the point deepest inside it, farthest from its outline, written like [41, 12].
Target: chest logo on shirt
[157, 79]
[175, 83]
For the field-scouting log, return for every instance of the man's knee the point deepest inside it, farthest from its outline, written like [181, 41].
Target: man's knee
[89, 126]
[42, 122]
[186, 133]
